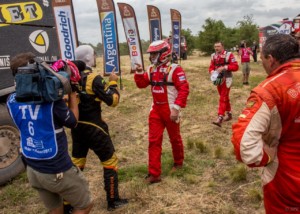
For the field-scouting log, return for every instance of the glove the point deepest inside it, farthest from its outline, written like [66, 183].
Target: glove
[219, 79]
[75, 75]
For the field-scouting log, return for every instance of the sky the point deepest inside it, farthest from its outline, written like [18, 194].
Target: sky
[193, 14]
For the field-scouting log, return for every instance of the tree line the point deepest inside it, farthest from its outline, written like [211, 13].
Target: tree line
[212, 31]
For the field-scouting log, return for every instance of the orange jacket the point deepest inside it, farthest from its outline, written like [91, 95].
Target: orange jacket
[267, 134]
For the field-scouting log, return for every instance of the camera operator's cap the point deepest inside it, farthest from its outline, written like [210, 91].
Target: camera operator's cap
[214, 75]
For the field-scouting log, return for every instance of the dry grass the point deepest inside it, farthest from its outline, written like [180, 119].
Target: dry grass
[211, 181]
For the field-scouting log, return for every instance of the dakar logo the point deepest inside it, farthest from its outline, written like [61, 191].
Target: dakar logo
[39, 40]
[105, 5]
[153, 13]
[126, 11]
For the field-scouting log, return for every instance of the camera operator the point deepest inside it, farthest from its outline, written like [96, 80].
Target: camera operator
[45, 148]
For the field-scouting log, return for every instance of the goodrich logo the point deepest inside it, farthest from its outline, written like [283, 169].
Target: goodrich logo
[39, 40]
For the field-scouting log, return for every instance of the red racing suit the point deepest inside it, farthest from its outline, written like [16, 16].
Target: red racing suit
[170, 89]
[219, 60]
[267, 135]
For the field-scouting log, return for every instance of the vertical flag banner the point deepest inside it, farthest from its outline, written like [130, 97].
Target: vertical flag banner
[108, 22]
[132, 35]
[176, 30]
[65, 27]
[154, 23]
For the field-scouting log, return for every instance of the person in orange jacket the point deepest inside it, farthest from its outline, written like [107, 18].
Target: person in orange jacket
[267, 132]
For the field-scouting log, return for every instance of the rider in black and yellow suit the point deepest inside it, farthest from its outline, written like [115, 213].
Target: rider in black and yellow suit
[91, 131]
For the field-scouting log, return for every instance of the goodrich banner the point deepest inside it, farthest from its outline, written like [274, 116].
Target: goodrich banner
[132, 35]
[66, 28]
[176, 30]
[108, 22]
[154, 23]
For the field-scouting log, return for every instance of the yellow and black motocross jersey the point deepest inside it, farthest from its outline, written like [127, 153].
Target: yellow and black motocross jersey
[95, 90]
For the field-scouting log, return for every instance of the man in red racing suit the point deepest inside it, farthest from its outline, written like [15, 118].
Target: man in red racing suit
[224, 63]
[170, 90]
[267, 132]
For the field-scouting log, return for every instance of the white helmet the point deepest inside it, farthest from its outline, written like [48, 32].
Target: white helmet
[87, 54]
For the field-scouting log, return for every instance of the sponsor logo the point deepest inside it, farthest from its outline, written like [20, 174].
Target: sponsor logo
[176, 27]
[126, 11]
[64, 23]
[181, 78]
[20, 13]
[250, 104]
[293, 93]
[39, 40]
[285, 28]
[297, 120]
[156, 34]
[158, 90]
[132, 42]
[153, 13]
[4, 62]
[110, 42]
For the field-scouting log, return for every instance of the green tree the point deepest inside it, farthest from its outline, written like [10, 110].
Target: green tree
[190, 40]
[247, 30]
[212, 31]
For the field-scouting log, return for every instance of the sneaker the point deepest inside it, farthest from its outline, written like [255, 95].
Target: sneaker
[150, 179]
[228, 116]
[112, 205]
[175, 168]
[219, 121]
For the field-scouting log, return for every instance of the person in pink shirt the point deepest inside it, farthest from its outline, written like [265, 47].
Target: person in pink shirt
[245, 53]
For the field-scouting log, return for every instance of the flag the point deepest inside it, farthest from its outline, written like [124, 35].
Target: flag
[108, 22]
[154, 23]
[65, 27]
[132, 35]
[176, 30]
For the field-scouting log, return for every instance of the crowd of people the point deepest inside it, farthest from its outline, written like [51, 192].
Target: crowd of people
[265, 134]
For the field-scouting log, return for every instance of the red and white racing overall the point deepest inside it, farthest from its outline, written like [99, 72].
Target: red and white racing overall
[219, 60]
[170, 89]
[267, 135]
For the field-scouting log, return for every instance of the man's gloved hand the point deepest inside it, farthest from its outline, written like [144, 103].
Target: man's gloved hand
[174, 115]
[219, 79]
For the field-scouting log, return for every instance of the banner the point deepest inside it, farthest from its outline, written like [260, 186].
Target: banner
[154, 23]
[110, 41]
[176, 30]
[132, 35]
[65, 27]
[282, 27]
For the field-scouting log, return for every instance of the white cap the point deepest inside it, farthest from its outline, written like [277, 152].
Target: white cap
[87, 54]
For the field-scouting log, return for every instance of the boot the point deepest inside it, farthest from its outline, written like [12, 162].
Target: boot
[150, 179]
[175, 168]
[228, 116]
[219, 121]
[112, 191]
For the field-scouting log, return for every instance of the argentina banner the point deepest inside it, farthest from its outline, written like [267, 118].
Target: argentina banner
[132, 35]
[176, 30]
[154, 23]
[66, 28]
[108, 22]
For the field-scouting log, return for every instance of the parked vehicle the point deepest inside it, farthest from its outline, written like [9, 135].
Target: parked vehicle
[24, 26]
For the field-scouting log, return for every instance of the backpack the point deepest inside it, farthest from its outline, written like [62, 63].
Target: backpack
[38, 83]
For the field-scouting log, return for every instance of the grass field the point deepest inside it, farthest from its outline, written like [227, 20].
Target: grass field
[212, 181]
